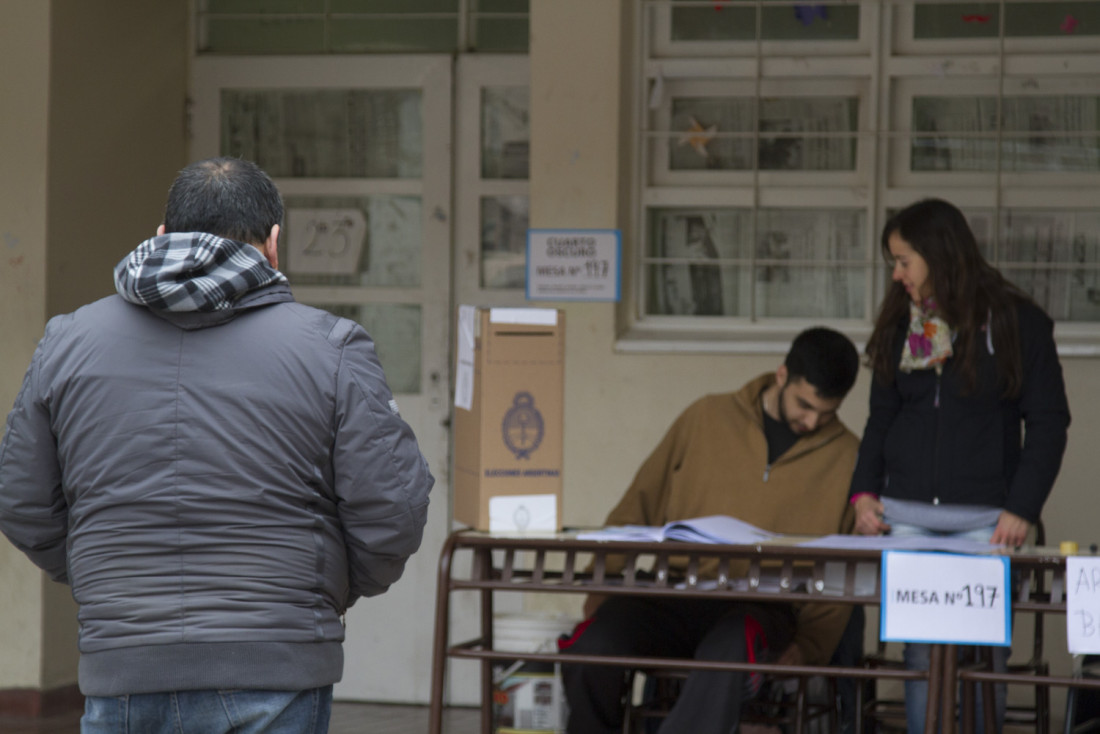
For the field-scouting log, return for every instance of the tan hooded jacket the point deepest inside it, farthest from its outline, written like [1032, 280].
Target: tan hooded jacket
[714, 461]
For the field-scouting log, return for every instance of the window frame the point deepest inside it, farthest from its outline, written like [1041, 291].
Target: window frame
[876, 65]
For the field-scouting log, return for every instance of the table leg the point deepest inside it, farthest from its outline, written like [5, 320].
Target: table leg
[487, 644]
[949, 686]
[935, 690]
[439, 644]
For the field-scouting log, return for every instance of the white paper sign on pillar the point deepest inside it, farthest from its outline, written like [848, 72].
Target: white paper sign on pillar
[945, 598]
[1083, 604]
[573, 265]
[324, 241]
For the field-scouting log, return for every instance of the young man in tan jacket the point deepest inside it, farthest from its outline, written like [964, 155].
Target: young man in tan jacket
[772, 454]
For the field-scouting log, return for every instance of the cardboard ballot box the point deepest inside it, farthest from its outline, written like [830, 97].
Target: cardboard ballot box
[509, 391]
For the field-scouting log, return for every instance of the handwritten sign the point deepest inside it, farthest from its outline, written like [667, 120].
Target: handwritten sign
[573, 265]
[946, 598]
[1083, 604]
[324, 241]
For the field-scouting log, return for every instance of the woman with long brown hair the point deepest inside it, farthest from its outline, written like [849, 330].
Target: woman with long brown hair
[968, 410]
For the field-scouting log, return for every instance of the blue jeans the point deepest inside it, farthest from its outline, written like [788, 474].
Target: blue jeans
[210, 712]
[917, 654]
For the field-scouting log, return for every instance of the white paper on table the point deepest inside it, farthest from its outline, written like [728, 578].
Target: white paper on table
[523, 513]
[901, 542]
[1083, 604]
[528, 316]
[464, 374]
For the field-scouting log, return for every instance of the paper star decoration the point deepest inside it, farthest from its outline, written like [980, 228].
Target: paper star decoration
[697, 137]
[806, 14]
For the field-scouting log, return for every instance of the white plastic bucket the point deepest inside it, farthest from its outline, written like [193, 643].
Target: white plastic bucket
[527, 696]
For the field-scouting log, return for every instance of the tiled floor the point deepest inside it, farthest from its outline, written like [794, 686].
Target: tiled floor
[347, 718]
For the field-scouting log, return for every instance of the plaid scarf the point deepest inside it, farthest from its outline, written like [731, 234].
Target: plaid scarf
[192, 271]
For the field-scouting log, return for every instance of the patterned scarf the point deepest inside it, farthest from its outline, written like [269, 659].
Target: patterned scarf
[928, 343]
[192, 271]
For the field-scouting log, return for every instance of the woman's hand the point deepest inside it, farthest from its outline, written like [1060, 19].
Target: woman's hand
[1011, 530]
[869, 516]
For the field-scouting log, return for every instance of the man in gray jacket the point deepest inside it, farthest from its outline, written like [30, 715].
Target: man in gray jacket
[218, 472]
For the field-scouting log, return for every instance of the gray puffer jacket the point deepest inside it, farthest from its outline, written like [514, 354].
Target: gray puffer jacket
[218, 487]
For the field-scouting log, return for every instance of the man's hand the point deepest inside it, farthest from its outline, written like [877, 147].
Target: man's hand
[791, 656]
[1011, 530]
[869, 516]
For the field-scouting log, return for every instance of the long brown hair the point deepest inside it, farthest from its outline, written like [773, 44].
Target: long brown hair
[968, 292]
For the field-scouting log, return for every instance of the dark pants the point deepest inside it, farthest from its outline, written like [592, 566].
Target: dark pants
[703, 629]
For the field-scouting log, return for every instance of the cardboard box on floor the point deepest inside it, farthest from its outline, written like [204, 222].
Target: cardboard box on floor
[509, 395]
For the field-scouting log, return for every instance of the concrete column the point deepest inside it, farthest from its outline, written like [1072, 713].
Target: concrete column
[24, 94]
[93, 132]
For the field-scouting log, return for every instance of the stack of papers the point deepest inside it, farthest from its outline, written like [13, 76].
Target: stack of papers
[730, 530]
[711, 529]
[901, 542]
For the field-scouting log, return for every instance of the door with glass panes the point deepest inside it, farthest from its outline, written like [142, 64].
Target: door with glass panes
[360, 148]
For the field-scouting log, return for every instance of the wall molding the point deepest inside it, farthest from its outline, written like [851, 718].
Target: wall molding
[34, 703]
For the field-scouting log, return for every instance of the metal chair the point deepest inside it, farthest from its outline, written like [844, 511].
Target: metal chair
[784, 701]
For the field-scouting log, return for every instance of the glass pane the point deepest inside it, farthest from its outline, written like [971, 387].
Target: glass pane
[808, 236]
[502, 34]
[811, 235]
[818, 292]
[264, 6]
[502, 6]
[384, 230]
[1055, 257]
[505, 132]
[696, 123]
[795, 133]
[955, 20]
[700, 234]
[393, 35]
[504, 241]
[981, 224]
[396, 7]
[1072, 295]
[395, 329]
[338, 133]
[1022, 20]
[697, 290]
[1048, 133]
[1052, 19]
[724, 21]
[263, 35]
[690, 243]
[794, 127]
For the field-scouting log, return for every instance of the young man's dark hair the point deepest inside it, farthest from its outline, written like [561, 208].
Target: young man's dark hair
[824, 358]
[229, 197]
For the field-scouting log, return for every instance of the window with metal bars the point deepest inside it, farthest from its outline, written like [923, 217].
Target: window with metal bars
[775, 137]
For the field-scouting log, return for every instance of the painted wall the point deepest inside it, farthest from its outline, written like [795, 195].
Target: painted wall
[118, 89]
[24, 45]
[92, 135]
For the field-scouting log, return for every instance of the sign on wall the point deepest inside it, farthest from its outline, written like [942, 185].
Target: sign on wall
[945, 598]
[573, 264]
[324, 241]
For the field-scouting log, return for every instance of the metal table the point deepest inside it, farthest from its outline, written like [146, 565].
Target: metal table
[779, 571]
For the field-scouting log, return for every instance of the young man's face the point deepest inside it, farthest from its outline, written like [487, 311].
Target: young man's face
[801, 408]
